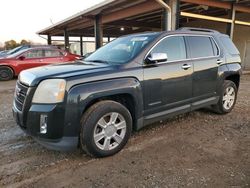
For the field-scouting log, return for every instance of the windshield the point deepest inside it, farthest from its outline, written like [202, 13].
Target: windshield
[17, 49]
[17, 53]
[123, 49]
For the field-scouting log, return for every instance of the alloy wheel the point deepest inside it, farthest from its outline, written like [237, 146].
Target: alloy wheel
[109, 131]
[228, 98]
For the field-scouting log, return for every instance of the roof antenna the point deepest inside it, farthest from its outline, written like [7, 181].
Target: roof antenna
[51, 21]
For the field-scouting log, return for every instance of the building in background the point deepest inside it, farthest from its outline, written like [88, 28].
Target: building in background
[114, 18]
[87, 47]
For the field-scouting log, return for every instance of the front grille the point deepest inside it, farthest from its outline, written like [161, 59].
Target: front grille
[20, 95]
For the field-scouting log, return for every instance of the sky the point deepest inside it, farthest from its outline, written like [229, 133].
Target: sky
[21, 19]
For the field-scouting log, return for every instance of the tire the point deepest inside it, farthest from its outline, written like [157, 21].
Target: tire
[221, 107]
[6, 73]
[101, 137]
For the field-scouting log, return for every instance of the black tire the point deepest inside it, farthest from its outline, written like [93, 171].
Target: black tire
[6, 73]
[219, 107]
[89, 123]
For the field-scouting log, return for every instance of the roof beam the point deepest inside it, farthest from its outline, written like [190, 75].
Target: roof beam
[212, 18]
[131, 11]
[219, 4]
[124, 23]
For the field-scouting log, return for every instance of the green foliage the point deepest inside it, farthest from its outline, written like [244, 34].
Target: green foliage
[25, 42]
[8, 45]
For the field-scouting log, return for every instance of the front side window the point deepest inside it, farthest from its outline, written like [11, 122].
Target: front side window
[173, 46]
[34, 54]
[200, 46]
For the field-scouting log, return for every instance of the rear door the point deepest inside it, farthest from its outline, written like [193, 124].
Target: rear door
[168, 85]
[53, 56]
[205, 56]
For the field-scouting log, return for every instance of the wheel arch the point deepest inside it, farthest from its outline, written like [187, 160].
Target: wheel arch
[13, 70]
[126, 91]
[126, 99]
[234, 78]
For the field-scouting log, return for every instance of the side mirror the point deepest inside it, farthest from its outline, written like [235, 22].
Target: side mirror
[156, 57]
[21, 58]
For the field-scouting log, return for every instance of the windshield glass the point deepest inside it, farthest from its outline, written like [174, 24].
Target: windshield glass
[17, 49]
[17, 53]
[123, 49]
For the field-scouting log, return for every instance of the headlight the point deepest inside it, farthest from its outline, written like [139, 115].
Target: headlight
[50, 91]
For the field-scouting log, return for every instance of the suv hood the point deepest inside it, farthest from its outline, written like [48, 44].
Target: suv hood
[32, 77]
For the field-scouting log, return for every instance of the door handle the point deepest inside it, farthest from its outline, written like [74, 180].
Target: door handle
[218, 61]
[40, 60]
[185, 66]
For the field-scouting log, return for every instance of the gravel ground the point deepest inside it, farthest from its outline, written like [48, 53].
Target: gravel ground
[198, 149]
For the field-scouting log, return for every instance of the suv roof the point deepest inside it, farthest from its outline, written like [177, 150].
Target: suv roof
[197, 30]
[182, 30]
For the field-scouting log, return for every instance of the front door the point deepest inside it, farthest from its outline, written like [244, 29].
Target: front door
[168, 85]
[30, 59]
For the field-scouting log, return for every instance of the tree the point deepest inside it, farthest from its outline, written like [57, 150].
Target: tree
[10, 44]
[25, 42]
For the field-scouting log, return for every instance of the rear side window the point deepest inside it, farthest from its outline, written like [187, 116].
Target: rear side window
[174, 47]
[229, 45]
[52, 53]
[200, 46]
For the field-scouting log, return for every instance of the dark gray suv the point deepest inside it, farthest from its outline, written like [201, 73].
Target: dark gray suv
[127, 84]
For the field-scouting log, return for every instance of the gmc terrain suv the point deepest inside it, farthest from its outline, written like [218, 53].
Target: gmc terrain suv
[127, 84]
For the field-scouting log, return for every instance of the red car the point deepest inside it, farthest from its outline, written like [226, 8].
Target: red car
[12, 65]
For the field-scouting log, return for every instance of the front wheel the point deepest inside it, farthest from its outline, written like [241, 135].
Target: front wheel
[6, 73]
[227, 98]
[105, 128]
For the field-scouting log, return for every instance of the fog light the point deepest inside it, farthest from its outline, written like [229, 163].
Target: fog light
[43, 124]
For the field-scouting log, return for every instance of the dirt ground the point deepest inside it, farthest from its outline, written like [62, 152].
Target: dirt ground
[198, 149]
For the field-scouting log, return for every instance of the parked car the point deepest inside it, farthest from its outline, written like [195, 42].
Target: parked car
[2, 53]
[22, 47]
[127, 84]
[27, 58]
[86, 55]
[14, 50]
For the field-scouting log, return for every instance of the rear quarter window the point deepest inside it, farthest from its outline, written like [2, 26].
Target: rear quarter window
[229, 45]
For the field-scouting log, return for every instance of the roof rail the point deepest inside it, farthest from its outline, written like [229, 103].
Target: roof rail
[197, 29]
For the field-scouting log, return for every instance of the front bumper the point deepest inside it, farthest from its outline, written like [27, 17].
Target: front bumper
[56, 137]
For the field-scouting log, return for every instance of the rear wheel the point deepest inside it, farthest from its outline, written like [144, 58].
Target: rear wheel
[105, 128]
[6, 73]
[227, 98]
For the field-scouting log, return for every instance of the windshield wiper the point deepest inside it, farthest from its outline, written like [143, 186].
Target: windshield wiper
[98, 61]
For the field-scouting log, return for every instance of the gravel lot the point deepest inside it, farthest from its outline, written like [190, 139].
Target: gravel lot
[197, 149]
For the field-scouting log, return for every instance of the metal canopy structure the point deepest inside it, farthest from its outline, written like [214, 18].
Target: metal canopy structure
[114, 18]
